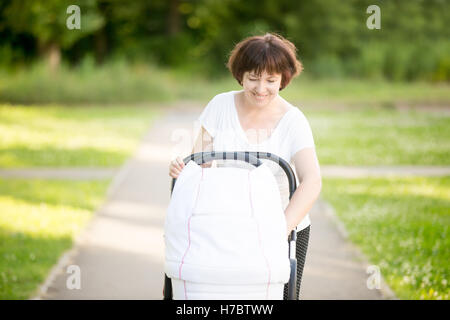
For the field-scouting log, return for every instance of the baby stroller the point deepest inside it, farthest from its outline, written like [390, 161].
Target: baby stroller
[252, 158]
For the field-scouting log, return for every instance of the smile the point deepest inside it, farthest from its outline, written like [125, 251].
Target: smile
[259, 96]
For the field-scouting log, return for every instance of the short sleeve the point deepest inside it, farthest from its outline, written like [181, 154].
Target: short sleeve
[300, 133]
[209, 116]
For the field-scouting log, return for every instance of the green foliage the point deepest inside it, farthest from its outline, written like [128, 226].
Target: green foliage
[46, 20]
[117, 82]
[113, 82]
[197, 35]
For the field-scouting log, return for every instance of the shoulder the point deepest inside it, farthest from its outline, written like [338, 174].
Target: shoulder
[222, 97]
[216, 110]
[299, 115]
[296, 115]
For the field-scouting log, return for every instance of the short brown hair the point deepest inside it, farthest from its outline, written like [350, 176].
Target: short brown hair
[270, 52]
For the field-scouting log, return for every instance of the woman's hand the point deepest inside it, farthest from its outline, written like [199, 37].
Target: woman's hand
[175, 167]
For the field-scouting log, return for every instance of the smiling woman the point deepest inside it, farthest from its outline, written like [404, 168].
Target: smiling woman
[257, 118]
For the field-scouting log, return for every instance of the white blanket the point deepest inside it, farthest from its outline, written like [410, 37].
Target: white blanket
[226, 226]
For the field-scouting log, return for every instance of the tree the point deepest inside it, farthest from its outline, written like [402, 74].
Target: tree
[46, 21]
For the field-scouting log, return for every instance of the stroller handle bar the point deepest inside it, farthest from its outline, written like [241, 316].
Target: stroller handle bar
[254, 159]
[247, 156]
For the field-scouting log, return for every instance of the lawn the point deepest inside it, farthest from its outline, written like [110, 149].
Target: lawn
[38, 222]
[401, 225]
[377, 136]
[55, 136]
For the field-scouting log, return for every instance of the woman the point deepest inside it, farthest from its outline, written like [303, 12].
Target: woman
[257, 118]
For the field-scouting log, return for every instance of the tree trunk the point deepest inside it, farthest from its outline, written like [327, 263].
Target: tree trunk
[174, 18]
[101, 45]
[54, 56]
[51, 53]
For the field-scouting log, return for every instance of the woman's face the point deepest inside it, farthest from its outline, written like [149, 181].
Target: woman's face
[261, 90]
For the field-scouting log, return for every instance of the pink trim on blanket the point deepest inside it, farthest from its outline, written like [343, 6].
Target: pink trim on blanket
[189, 236]
[259, 235]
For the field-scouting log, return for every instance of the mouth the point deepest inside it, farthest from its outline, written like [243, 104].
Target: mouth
[259, 97]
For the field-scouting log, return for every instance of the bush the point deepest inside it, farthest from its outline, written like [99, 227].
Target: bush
[370, 62]
[327, 66]
[115, 81]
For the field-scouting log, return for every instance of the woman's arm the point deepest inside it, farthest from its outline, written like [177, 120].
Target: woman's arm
[204, 143]
[308, 173]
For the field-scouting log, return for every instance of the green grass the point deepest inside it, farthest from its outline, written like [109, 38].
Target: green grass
[401, 225]
[377, 136]
[38, 222]
[55, 136]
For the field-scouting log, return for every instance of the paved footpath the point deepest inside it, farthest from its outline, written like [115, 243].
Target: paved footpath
[121, 252]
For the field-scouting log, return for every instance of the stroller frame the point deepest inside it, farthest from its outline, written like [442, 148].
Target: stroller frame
[254, 159]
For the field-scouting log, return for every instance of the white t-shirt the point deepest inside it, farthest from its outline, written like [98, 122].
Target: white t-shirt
[292, 134]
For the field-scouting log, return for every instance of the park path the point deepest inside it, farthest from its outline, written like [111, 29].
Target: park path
[121, 251]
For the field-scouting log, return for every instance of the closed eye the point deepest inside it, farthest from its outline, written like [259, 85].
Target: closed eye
[271, 81]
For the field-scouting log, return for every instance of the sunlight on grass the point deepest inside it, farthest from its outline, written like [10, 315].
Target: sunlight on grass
[401, 225]
[55, 136]
[41, 220]
[374, 136]
[38, 222]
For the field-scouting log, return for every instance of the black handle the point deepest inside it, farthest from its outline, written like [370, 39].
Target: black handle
[247, 156]
[204, 157]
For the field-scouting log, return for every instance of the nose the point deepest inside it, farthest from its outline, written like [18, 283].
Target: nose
[260, 88]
